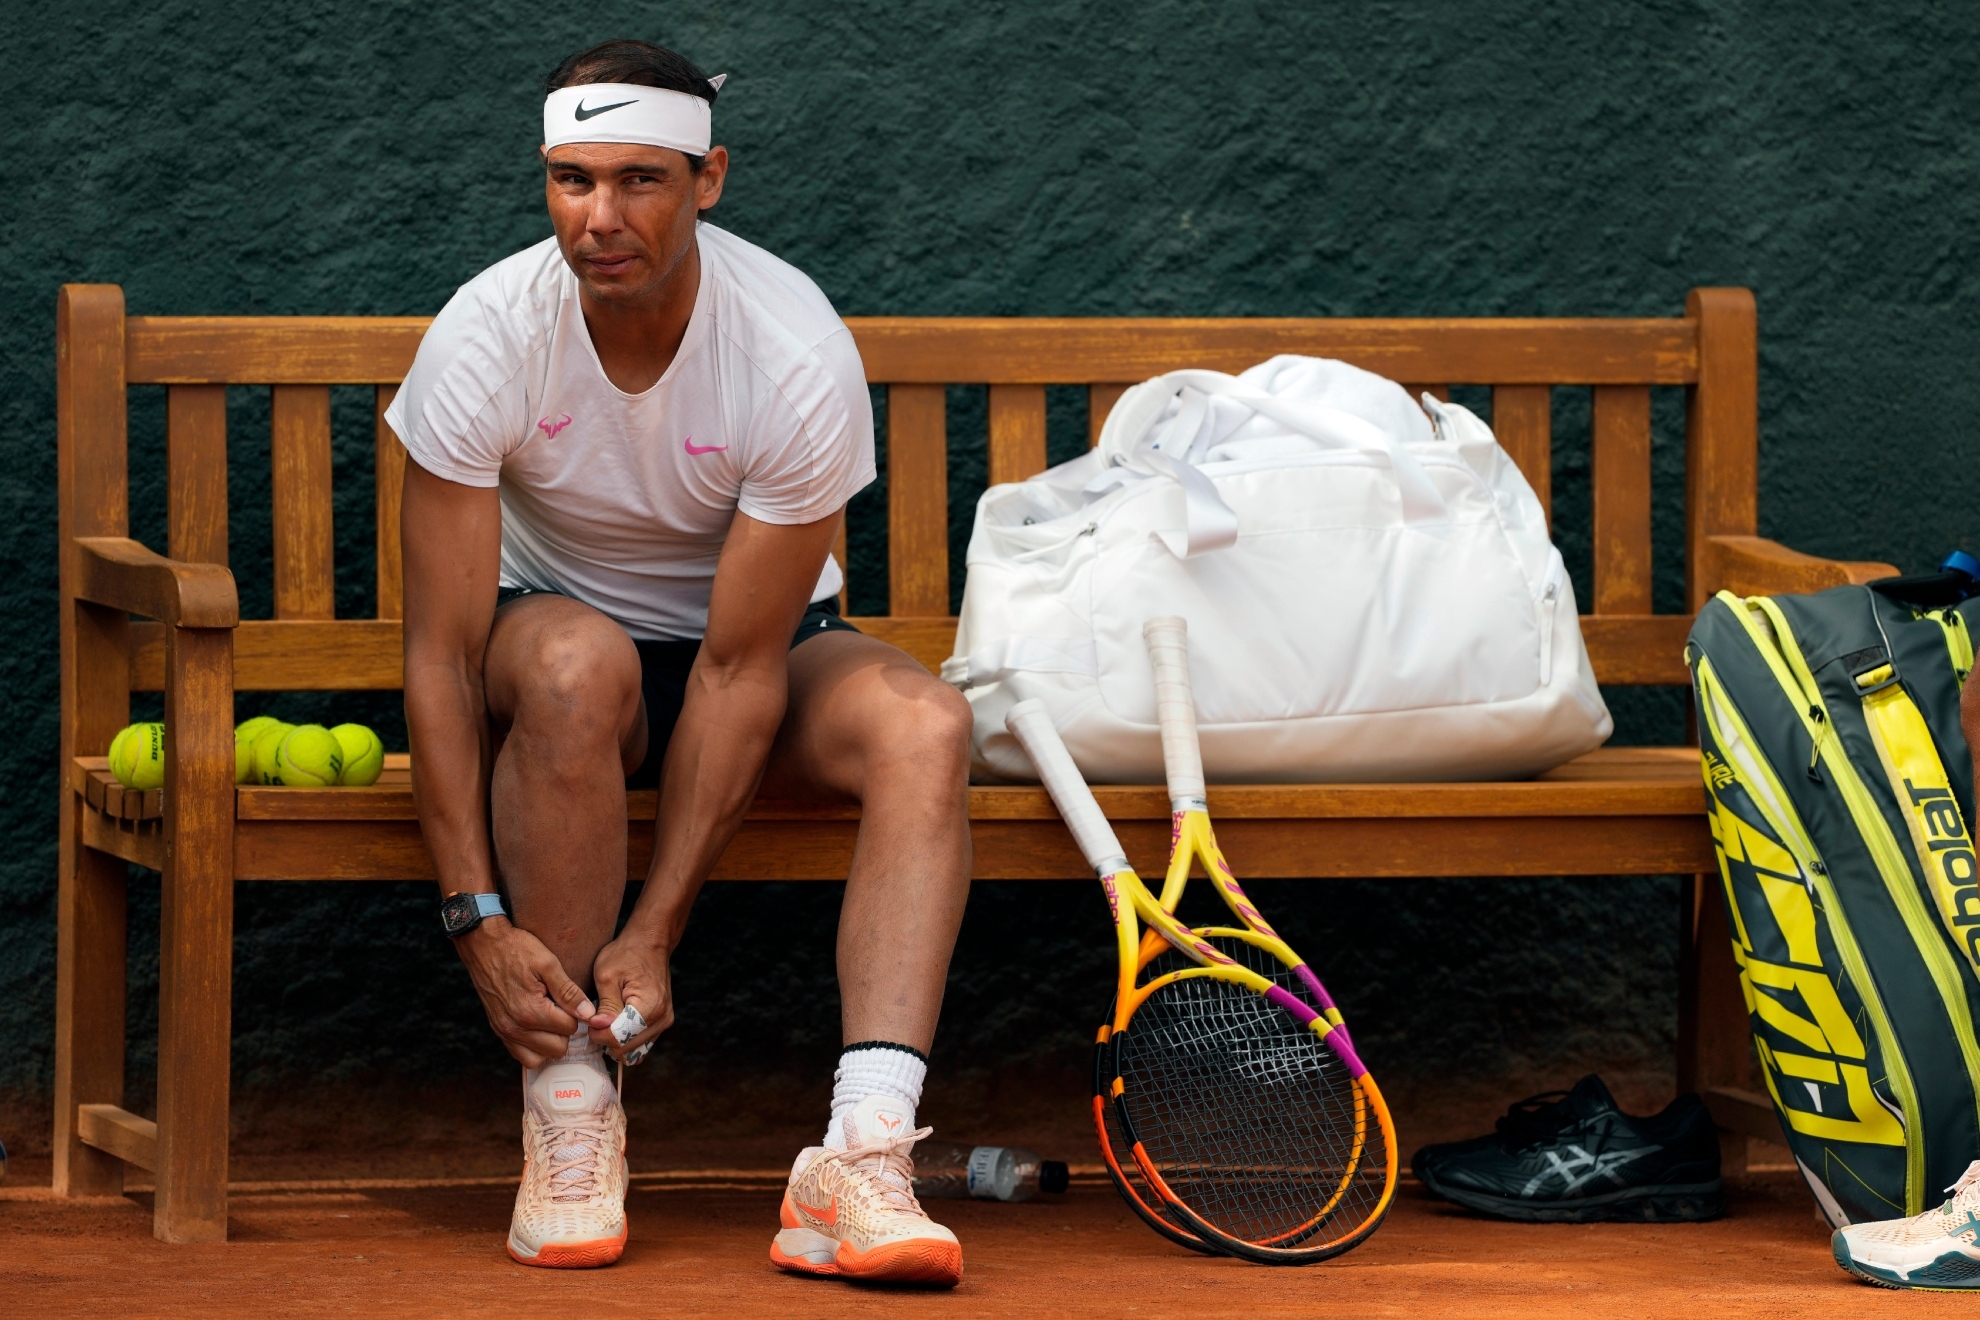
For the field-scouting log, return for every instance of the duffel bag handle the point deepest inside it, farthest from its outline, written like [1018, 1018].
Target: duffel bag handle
[1129, 439]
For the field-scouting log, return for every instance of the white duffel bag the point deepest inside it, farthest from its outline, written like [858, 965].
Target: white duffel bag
[1370, 590]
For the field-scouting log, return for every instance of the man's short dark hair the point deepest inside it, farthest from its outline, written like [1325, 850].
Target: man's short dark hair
[639, 63]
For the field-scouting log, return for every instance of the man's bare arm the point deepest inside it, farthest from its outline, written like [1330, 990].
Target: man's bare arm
[452, 544]
[736, 694]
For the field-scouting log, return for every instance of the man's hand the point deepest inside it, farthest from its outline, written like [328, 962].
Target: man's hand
[532, 1005]
[633, 969]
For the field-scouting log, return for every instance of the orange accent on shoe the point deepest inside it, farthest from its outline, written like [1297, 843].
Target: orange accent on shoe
[575, 1255]
[828, 1216]
[914, 1260]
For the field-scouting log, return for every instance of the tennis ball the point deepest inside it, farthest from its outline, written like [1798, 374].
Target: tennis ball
[309, 757]
[138, 756]
[244, 735]
[266, 744]
[117, 750]
[364, 755]
[248, 730]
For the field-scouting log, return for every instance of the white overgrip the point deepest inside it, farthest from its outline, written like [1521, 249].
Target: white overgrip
[1175, 708]
[1031, 724]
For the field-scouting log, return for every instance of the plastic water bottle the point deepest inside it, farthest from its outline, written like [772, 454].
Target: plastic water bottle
[944, 1169]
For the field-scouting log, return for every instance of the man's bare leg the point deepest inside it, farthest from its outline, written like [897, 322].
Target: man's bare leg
[866, 721]
[563, 684]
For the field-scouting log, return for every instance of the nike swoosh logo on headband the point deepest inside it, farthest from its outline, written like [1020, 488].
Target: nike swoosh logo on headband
[583, 114]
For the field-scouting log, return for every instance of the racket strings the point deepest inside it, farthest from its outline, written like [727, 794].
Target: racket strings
[1247, 1115]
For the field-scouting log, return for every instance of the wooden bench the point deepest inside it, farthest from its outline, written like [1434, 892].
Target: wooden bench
[1617, 811]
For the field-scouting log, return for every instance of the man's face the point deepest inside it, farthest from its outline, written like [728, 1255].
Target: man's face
[624, 214]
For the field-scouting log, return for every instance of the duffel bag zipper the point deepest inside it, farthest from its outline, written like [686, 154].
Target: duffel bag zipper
[1547, 600]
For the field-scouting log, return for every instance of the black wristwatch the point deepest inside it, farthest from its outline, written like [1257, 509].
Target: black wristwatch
[461, 913]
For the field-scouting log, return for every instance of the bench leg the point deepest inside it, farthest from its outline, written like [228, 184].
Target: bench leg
[89, 1005]
[1715, 1041]
[196, 941]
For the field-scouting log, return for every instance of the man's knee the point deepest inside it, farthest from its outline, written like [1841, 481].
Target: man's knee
[927, 724]
[577, 678]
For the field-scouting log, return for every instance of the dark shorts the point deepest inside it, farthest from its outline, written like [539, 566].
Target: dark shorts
[663, 672]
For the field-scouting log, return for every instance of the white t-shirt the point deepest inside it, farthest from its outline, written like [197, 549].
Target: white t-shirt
[620, 500]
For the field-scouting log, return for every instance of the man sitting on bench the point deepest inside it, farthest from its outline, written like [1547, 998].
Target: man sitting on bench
[631, 446]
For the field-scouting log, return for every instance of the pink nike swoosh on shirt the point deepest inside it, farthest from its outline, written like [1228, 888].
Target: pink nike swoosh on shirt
[693, 448]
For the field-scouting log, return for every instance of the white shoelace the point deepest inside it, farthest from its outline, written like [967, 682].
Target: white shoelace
[1966, 1192]
[577, 1150]
[888, 1166]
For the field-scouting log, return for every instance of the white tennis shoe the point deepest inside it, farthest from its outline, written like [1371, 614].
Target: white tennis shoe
[1938, 1250]
[571, 1208]
[852, 1213]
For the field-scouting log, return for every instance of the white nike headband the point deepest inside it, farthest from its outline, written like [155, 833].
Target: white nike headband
[626, 112]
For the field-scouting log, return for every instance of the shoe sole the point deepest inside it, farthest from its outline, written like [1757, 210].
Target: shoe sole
[1850, 1267]
[571, 1255]
[1667, 1203]
[928, 1261]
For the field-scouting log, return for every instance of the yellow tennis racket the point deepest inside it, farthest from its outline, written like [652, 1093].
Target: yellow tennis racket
[1234, 1114]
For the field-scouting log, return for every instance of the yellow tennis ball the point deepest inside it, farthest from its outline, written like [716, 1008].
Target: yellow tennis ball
[140, 756]
[364, 755]
[248, 730]
[309, 757]
[117, 745]
[266, 744]
[244, 735]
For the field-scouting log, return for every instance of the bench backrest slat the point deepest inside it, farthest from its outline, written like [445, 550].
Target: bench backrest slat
[918, 500]
[305, 542]
[1621, 480]
[1711, 349]
[1722, 426]
[1100, 400]
[196, 473]
[1523, 419]
[391, 474]
[1484, 351]
[1017, 432]
[271, 350]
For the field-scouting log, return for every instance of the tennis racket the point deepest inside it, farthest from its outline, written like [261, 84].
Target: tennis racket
[1247, 1123]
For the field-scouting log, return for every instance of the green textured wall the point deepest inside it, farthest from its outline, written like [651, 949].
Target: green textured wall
[1161, 157]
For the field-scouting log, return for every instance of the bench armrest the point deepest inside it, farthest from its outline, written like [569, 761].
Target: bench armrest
[1756, 566]
[123, 574]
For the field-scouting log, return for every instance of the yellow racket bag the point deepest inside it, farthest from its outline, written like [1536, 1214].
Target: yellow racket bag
[1840, 790]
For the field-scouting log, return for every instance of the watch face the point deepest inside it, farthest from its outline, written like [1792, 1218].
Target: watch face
[458, 913]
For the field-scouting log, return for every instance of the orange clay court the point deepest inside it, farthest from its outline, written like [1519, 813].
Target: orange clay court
[698, 1247]
[318, 1232]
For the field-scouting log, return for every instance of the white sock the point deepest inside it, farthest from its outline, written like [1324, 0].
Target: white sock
[578, 1049]
[874, 1068]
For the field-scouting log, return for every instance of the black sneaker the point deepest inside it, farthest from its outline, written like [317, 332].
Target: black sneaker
[1574, 1157]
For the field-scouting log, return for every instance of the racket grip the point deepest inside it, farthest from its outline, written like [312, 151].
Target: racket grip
[1175, 708]
[1031, 724]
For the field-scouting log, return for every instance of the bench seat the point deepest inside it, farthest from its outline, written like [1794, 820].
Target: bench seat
[1615, 811]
